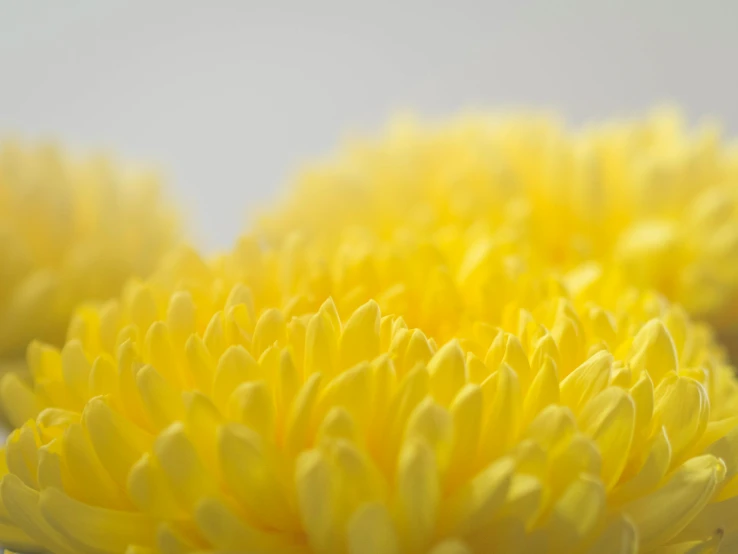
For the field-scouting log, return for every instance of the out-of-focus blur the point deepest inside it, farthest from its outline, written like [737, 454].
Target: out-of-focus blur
[441, 341]
[72, 230]
[229, 98]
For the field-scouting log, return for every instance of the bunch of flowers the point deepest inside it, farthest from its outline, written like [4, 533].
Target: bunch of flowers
[489, 336]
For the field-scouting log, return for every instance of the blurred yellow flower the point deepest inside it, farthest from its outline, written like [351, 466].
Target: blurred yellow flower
[222, 406]
[70, 230]
[654, 203]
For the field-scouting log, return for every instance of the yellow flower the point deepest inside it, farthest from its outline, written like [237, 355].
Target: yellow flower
[654, 203]
[70, 230]
[212, 409]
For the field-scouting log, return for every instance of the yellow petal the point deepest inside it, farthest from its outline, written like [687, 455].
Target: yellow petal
[159, 352]
[386, 331]
[447, 371]
[252, 478]
[504, 419]
[235, 366]
[524, 499]
[182, 465]
[214, 337]
[16, 539]
[576, 514]
[432, 424]
[417, 351]
[577, 457]
[716, 430]
[642, 394]
[288, 381]
[118, 443]
[96, 528]
[91, 482]
[103, 376]
[337, 424]
[568, 340]
[516, 358]
[270, 329]
[609, 419]
[722, 516]
[418, 494]
[543, 391]
[202, 422]
[76, 370]
[586, 381]
[371, 530]
[225, 530]
[620, 536]
[710, 545]
[604, 325]
[109, 324]
[241, 295]
[360, 339]
[357, 478]
[149, 490]
[350, 390]
[321, 346]
[329, 310]
[18, 401]
[177, 539]
[683, 409]
[44, 361]
[466, 414]
[50, 466]
[545, 348]
[22, 503]
[143, 307]
[553, 426]
[412, 390]
[653, 350]
[251, 404]
[200, 363]
[298, 422]
[451, 546]
[663, 513]
[510, 536]
[475, 369]
[163, 401]
[650, 473]
[181, 315]
[315, 500]
[21, 454]
[478, 501]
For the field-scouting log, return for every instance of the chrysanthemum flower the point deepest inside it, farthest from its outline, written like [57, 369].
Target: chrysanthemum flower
[206, 411]
[654, 203]
[70, 230]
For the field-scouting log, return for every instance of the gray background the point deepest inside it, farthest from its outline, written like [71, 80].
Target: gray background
[230, 98]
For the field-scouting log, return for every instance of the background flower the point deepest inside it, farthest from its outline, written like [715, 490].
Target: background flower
[652, 202]
[71, 230]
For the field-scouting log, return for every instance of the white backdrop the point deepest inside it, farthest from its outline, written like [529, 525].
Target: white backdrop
[229, 98]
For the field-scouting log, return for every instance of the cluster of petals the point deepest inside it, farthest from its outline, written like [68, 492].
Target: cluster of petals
[488, 335]
[651, 200]
[71, 230]
[218, 407]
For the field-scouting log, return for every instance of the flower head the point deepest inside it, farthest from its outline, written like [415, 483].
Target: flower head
[653, 203]
[70, 230]
[208, 410]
